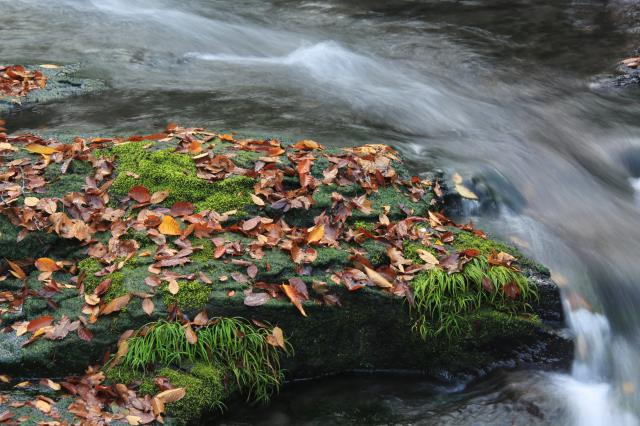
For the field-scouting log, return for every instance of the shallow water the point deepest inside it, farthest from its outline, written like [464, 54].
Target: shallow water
[497, 89]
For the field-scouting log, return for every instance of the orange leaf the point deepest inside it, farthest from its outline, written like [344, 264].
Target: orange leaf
[45, 264]
[169, 226]
[276, 338]
[116, 304]
[315, 233]
[307, 144]
[39, 322]
[295, 297]
[36, 148]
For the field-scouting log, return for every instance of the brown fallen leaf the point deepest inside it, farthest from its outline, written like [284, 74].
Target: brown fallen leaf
[147, 305]
[140, 194]
[276, 338]
[38, 323]
[377, 278]
[115, 305]
[192, 337]
[174, 288]
[171, 395]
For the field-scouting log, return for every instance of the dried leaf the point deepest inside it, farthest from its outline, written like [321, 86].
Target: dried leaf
[174, 288]
[315, 233]
[116, 304]
[38, 323]
[40, 149]
[276, 338]
[377, 278]
[169, 226]
[45, 264]
[140, 194]
[171, 395]
[294, 296]
[147, 306]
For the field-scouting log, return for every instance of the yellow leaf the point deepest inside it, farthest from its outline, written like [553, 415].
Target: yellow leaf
[377, 279]
[53, 385]
[174, 288]
[169, 226]
[427, 257]
[49, 66]
[31, 201]
[171, 395]
[465, 192]
[257, 200]
[133, 420]
[36, 148]
[43, 406]
[315, 233]
[158, 406]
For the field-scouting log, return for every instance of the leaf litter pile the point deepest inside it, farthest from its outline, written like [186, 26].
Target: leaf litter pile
[213, 211]
[17, 81]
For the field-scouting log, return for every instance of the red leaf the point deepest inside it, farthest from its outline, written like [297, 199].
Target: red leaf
[182, 208]
[140, 194]
[85, 334]
[511, 290]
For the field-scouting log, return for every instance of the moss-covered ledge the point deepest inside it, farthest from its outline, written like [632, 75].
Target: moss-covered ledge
[312, 261]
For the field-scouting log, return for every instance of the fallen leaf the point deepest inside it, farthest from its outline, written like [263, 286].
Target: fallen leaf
[169, 226]
[38, 323]
[43, 406]
[276, 338]
[315, 233]
[256, 299]
[171, 395]
[427, 257]
[45, 264]
[174, 288]
[192, 337]
[377, 278]
[257, 200]
[294, 296]
[158, 197]
[140, 194]
[147, 305]
[40, 149]
[116, 304]
[31, 201]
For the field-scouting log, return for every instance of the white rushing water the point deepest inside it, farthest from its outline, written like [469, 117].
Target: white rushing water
[491, 92]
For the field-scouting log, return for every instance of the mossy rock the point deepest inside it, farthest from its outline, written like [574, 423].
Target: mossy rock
[363, 329]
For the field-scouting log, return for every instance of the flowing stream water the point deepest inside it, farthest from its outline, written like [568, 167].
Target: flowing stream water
[505, 91]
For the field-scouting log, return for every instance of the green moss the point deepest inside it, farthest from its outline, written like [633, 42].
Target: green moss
[164, 170]
[376, 252]
[59, 184]
[367, 226]
[90, 267]
[204, 255]
[202, 395]
[410, 251]
[444, 300]
[128, 376]
[467, 240]
[191, 295]
[329, 256]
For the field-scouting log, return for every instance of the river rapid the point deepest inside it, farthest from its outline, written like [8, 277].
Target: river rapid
[506, 92]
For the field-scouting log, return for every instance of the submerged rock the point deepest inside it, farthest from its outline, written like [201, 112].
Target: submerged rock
[309, 261]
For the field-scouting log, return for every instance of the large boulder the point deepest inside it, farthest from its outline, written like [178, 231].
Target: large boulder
[337, 259]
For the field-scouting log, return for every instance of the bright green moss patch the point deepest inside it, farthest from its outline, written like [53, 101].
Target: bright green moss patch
[467, 240]
[201, 395]
[165, 170]
[90, 267]
[192, 295]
